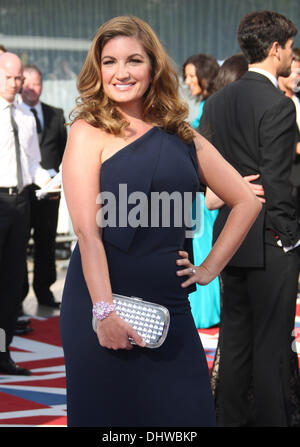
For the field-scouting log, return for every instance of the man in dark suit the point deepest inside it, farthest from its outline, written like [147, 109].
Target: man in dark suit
[253, 124]
[44, 213]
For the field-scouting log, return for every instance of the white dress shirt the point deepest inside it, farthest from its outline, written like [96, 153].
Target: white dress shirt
[265, 73]
[32, 171]
[296, 101]
[38, 108]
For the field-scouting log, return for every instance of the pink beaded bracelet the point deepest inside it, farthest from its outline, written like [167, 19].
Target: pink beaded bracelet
[102, 309]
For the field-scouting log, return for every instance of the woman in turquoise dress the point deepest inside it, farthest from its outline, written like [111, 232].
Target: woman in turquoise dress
[199, 72]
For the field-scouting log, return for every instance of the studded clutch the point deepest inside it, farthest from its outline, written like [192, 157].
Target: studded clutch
[150, 320]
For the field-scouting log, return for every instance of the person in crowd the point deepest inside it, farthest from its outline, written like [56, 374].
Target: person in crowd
[52, 135]
[291, 86]
[20, 166]
[129, 128]
[253, 125]
[199, 73]
[232, 69]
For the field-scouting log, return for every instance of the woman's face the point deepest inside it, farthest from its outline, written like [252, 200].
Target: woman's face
[125, 70]
[191, 79]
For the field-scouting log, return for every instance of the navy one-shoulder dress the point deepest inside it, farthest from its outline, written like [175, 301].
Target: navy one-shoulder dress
[167, 386]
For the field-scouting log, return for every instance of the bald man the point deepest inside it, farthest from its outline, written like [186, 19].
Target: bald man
[19, 168]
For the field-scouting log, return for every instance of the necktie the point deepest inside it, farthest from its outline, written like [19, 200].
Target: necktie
[38, 123]
[20, 184]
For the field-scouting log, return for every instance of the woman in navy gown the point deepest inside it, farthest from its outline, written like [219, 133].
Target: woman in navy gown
[129, 131]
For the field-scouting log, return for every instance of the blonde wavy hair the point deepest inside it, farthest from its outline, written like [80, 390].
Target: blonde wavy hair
[162, 105]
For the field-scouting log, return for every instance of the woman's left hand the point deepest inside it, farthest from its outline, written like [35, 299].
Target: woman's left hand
[195, 274]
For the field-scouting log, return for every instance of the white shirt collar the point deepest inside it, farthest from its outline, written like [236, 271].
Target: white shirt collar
[39, 110]
[3, 103]
[38, 106]
[265, 73]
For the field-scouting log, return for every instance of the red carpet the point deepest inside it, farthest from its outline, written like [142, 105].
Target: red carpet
[40, 399]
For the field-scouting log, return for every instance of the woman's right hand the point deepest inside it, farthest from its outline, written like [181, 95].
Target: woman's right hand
[213, 202]
[257, 189]
[114, 332]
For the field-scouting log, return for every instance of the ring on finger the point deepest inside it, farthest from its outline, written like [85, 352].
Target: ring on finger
[192, 271]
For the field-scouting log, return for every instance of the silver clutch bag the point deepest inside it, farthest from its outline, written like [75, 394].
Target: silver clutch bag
[151, 321]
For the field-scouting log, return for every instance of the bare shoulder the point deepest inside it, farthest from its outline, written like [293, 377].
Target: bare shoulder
[84, 136]
[82, 156]
[82, 129]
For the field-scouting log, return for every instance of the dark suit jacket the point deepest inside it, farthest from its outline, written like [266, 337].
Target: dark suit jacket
[53, 138]
[295, 174]
[253, 125]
